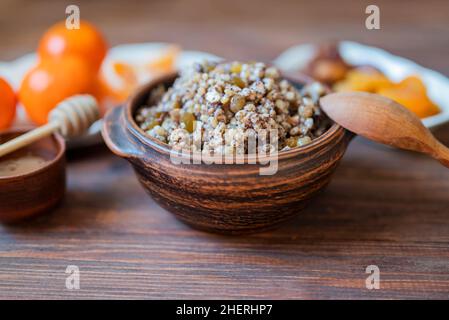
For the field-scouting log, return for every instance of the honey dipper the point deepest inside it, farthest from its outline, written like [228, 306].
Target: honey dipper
[71, 117]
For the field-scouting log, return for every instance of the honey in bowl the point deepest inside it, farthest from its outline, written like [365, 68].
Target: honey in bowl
[21, 164]
[32, 179]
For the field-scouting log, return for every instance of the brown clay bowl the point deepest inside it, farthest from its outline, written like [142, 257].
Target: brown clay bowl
[26, 195]
[223, 198]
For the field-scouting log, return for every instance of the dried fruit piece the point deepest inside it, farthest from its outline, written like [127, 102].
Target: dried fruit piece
[166, 62]
[413, 100]
[188, 120]
[126, 71]
[237, 103]
[236, 67]
[152, 124]
[329, 71]
[292, 142]
[413, 83]
[363, 79]
[239, 82]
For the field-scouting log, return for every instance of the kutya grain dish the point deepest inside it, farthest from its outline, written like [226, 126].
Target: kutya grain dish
[219, 197]
[233, 102]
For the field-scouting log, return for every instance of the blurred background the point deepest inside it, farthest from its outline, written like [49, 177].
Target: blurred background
[376, 210]
[240, 29]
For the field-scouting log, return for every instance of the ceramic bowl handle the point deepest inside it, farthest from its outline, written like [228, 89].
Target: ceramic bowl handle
[117, 137]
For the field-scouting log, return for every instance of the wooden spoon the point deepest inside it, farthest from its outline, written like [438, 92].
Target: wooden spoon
[382, 120]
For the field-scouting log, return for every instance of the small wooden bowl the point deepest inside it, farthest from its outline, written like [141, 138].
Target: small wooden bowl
[27, 195]
[223, 198]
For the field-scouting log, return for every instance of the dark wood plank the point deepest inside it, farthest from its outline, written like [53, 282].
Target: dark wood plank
[383, 207]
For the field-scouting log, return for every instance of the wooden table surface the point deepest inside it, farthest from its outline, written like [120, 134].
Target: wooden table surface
[383, 207]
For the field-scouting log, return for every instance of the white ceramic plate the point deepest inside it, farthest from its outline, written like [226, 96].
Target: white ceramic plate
[14, 71]
[394, 67]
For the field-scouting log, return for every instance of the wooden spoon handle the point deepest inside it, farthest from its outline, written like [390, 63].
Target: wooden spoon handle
[441, 154]
[28, 138]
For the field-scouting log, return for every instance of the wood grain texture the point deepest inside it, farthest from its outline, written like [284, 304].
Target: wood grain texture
[384, 207]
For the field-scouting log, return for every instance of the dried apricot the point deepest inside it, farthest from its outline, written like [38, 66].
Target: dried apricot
[413, 100]
[413, 83]
[363, 80]
[166, 62]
